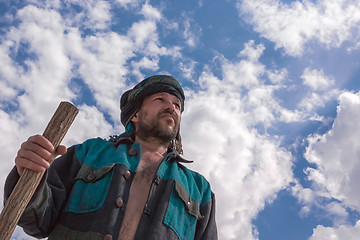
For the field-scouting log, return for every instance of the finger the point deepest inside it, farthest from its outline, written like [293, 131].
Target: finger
[19, 169]
[42, 141]
[22, 163]
[29, 148]
[34, 158]
[61, 150]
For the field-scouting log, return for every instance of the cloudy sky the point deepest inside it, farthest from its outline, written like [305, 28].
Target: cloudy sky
[272, 86]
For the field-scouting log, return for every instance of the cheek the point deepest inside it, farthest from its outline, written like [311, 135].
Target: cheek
[140, 115]
[143, 115]
[179, 118]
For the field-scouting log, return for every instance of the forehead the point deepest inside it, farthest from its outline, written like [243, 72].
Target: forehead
[163, 94]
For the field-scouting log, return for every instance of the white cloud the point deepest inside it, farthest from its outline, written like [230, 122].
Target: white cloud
[245, 73]
[342, 232]
[192, 31]
[6, 92]
[150, 12]
[45, 4]
[129, 3]
[142, 32]
[313, 100]
[310, 199]
[305, 196]
[20, 234]
[9, 130]
[89, 123]
[41, 82]
[316, 79]
[187, 68]
[95, 14]
[336, 155]
[292, 25]
[8, 72]
[246, 169]
[322, 89]
[101, 64]
[144, 63]
[100, 15]
[248, 76]
[277, 76]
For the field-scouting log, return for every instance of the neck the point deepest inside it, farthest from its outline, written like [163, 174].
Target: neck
[152, 146]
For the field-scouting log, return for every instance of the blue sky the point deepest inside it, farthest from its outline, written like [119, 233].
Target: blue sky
[272, 88]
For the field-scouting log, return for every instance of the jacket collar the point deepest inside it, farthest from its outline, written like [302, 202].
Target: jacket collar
[172, 154]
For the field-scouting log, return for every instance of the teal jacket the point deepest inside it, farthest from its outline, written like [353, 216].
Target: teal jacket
[84, 194]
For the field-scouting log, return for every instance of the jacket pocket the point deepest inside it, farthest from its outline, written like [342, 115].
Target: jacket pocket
[182, 213]
[90, 189]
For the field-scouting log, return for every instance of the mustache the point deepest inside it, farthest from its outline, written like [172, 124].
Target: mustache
[167, 111]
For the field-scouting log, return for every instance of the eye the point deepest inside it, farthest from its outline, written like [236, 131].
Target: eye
[177, 105]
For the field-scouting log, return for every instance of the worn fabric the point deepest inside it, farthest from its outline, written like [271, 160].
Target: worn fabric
[84, 194]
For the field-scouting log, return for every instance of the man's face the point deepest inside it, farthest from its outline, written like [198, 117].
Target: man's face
[159, 117]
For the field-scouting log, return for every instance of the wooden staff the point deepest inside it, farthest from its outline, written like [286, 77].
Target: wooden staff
[29, 180]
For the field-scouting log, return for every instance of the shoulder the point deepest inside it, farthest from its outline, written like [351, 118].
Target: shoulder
[196, 182]
[92, 142]
[91, 145]
[95, 149]
[197, 177]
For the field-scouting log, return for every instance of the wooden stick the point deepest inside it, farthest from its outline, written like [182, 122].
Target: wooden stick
[29, 180]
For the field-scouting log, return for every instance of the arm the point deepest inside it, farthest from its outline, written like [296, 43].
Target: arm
[45, 206]
[206, 227]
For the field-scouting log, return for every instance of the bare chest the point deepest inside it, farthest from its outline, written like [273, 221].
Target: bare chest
[138, 195]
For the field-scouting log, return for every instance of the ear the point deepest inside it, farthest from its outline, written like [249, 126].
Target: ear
[135, 118]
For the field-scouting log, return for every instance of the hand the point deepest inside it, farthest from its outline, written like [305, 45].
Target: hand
[37, 154]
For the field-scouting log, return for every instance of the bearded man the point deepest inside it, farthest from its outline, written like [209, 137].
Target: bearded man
[132, 186]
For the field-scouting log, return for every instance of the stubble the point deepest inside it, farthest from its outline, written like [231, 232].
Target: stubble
[152, 128]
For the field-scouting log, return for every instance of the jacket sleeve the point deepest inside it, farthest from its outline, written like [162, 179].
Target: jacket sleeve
[46, 204]
[206, 227]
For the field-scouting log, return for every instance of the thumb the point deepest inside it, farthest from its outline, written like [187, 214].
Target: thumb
[60, 150]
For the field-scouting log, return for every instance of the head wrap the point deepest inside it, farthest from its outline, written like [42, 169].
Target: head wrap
[131, 101]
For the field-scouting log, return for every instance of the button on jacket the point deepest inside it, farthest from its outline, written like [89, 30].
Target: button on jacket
[84, 194]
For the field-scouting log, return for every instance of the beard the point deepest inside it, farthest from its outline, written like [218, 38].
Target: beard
[152, 128]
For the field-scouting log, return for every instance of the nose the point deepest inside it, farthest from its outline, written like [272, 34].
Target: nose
[169, 105]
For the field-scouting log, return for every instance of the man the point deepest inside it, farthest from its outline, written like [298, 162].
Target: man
[133, 186]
